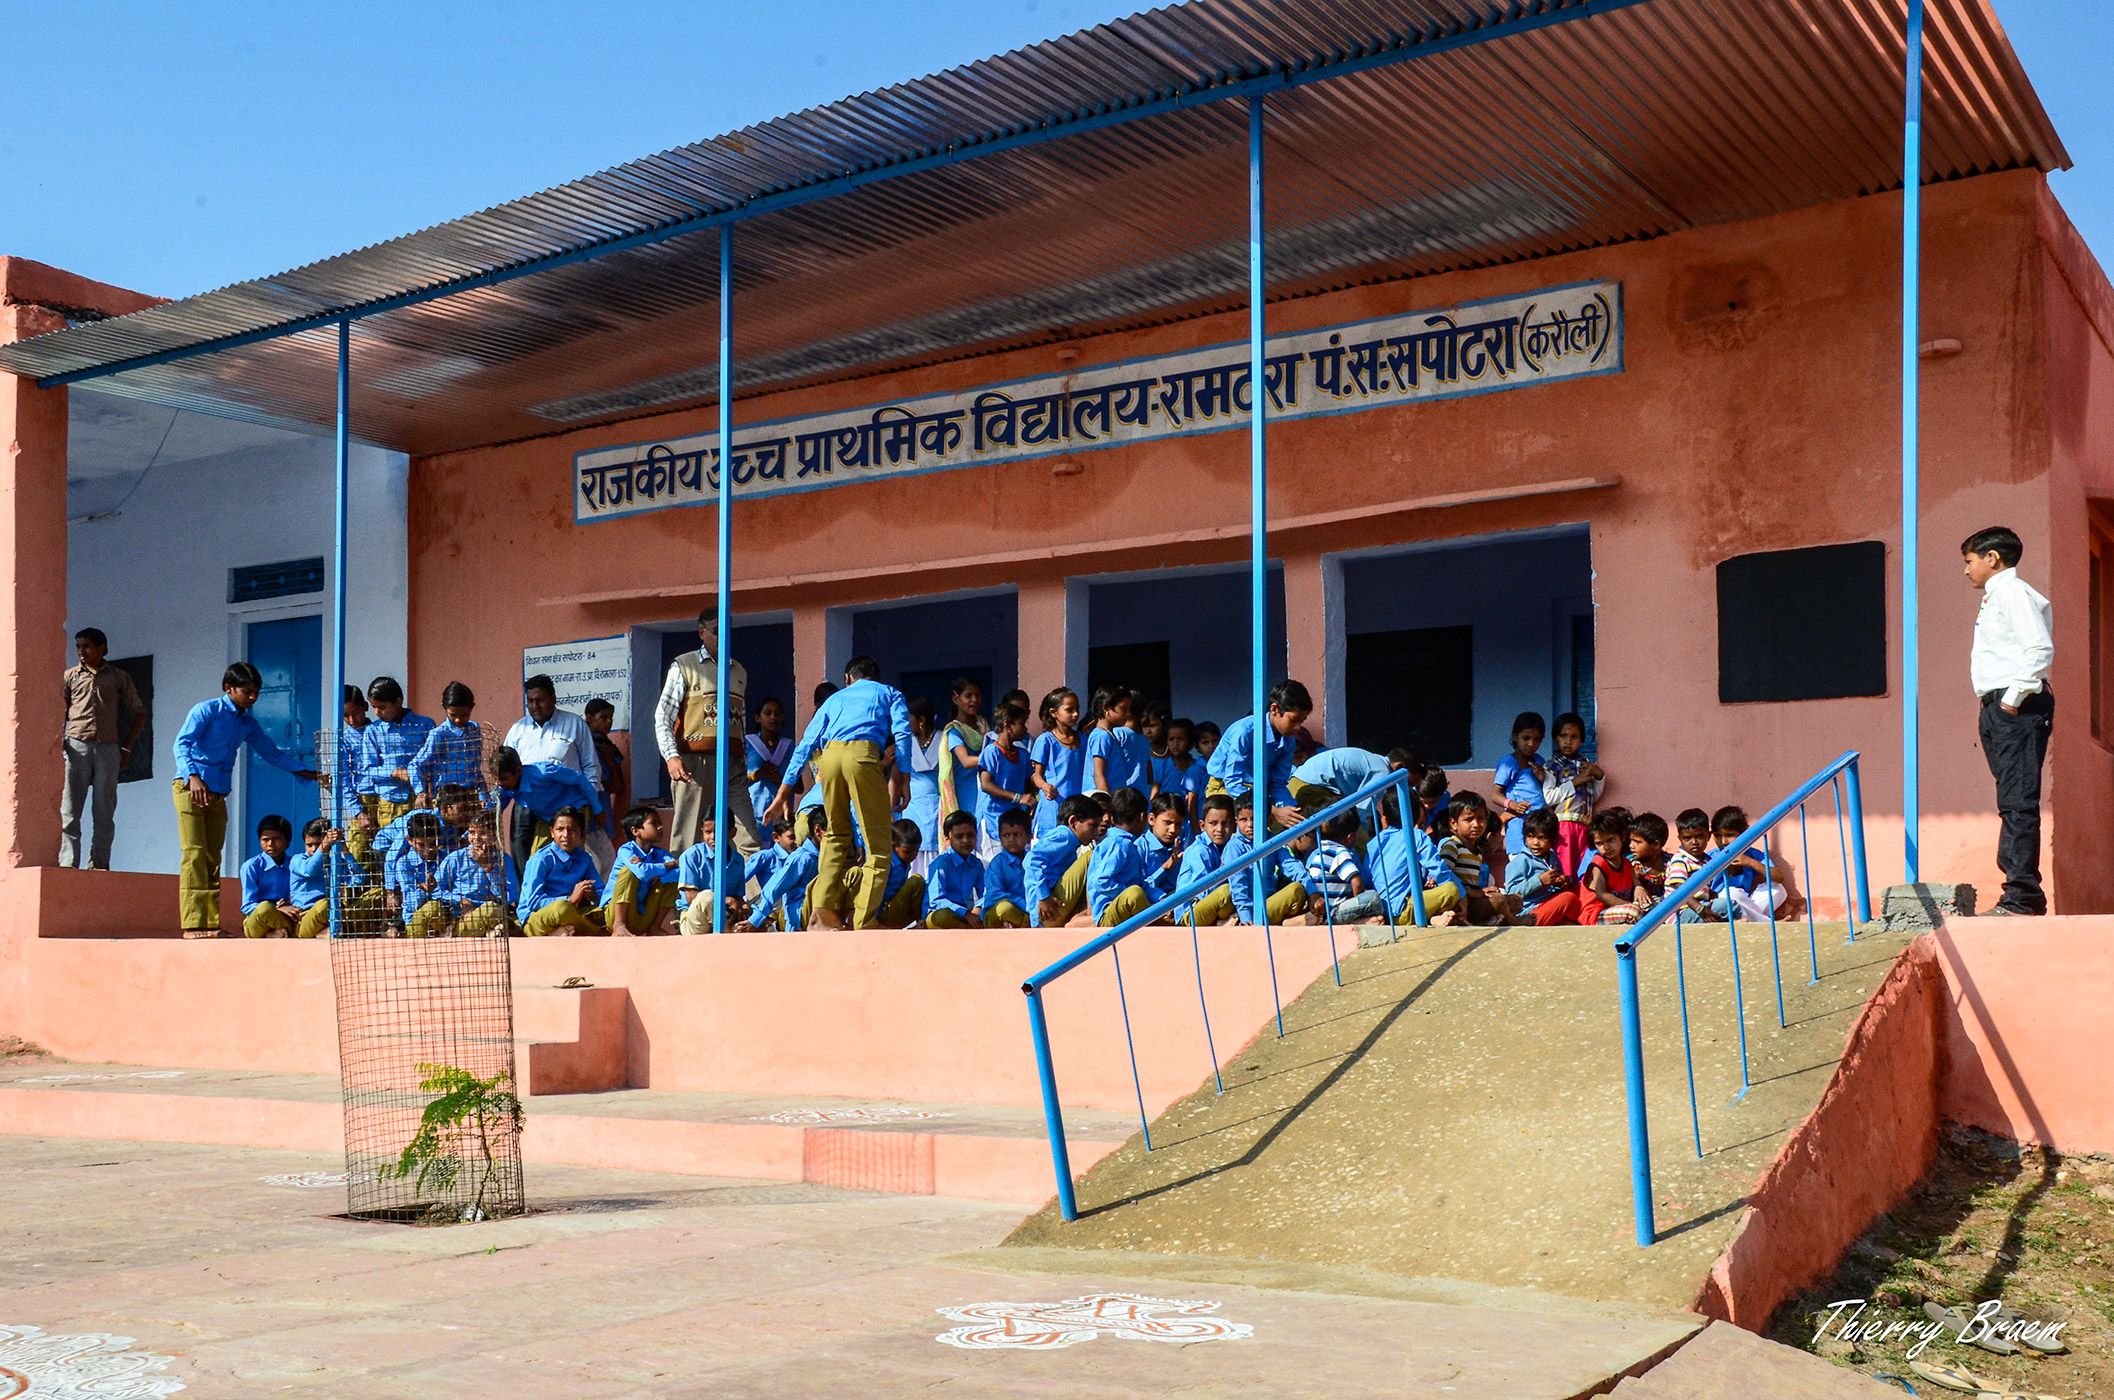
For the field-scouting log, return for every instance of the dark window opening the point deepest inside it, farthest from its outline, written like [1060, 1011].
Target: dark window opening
[1803, 624]
[1414, 686]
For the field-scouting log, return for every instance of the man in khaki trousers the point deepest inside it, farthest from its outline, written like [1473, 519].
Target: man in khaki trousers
[846, 741]
[686, 726]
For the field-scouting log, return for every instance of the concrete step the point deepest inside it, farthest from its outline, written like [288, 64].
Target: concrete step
[572, 1040]
[968, 1151]
[1722, 1362]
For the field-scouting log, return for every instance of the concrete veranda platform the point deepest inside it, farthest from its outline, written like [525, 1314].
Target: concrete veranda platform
[632, 1284]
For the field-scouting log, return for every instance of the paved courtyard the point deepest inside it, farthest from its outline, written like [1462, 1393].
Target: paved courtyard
[153, 1269]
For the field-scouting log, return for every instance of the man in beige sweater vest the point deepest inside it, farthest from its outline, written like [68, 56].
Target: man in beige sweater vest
[685, 725]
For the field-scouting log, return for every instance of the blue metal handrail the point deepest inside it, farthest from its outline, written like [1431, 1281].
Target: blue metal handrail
[1038, 1025]
[1668, 909]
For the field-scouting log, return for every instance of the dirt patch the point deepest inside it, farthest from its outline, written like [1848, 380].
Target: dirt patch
[14, 1049]
[1992, 1221]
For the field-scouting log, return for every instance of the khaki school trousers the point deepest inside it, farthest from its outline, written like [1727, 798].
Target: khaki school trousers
[200, 833]
[853, 786]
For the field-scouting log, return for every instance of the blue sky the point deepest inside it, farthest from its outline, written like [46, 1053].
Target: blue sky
[178, 147]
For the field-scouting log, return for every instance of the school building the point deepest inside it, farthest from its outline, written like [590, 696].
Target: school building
[1583, 366]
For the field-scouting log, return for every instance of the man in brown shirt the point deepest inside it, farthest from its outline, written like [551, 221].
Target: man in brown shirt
[95, 751]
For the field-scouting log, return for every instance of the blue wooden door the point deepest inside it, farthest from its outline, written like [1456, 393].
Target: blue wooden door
[288, 654]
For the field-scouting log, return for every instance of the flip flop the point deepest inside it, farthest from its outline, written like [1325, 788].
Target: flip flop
[1957, 1321]
[1898, 1382]
[573, 984]
[1952, 1377]
[2009, 1318]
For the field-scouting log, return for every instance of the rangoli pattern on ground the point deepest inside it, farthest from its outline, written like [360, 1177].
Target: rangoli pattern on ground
[1124, 1316]
[309, 1180]
[809, 1117]
[37, 1365]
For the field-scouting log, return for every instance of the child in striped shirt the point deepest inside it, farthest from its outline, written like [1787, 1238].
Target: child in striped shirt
[1468, 821]
[1345, 892]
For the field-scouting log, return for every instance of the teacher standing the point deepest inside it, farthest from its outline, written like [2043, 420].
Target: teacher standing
[2013, 649]
[686, 726]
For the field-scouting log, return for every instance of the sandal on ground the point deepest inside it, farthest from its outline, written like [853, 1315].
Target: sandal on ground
[2025, 1331]
[1956, 1320]
[1952, 1377]
[201, 933]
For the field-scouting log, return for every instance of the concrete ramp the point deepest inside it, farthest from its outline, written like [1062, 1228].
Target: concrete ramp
[1455, 1110]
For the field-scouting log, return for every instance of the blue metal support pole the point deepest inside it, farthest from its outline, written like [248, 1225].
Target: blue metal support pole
[1739, 991]
[1805, 866]
[1842, 842]
[722, 839]
[1409, 845]
[1863, 888]
[1130, 1044]
[1258, 512]
[1197, 951]
[1776, 952]
[1911, 279]
[1688, 1044]
[1052, 1115]
[336, 707]
[1633, 1087]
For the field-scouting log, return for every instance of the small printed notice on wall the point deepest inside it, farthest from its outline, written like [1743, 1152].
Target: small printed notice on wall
[583, 671]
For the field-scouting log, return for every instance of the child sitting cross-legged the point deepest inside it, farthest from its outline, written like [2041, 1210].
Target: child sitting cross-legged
[640, 891]
[560, 887]
[267, 905]
[1388, 856]
[1483, 901]
[1692, 834]
[954, 882]
[1005, 881]
[476, 886]
[308, 884]
[698, 885]
[1747, 887]
[1055, 866]
[1648, 857]
[1202, 858]
[1160, 848]
[1607, 886]
[1547, 896]
[414, 877]
[1115, 875]
[1333, 869]
[1285, 873]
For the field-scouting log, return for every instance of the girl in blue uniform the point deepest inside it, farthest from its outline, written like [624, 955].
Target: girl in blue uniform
[922, 765]
[1058, 758]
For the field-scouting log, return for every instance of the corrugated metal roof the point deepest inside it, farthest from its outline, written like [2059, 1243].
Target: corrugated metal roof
[1574, 123]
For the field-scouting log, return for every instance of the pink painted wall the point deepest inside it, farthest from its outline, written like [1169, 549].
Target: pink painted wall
[921, 1015]
[2028, 1037]
[2076, 413]
[1759, 411]
[1870, 1139]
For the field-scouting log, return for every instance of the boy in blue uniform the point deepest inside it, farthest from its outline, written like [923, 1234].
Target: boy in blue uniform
[267, 905]
[698, 884]
[844, 741]
[954, 882]
[1519, 778]
[560, 886]
[206, 747]
[1202, 859]
[539, 791]
[1002, 774]
[414, 878]
[477, 885]
[1005, 881]
[1233, 761]
[1389, 859]
[1054, 869]
[1285, 873]
[1115, 875]
[390, 746]
[1160, 848]
[308, 885]
[641, 887]
[782, 899]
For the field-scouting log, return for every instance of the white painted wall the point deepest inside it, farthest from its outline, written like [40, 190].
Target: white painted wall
[154, 574]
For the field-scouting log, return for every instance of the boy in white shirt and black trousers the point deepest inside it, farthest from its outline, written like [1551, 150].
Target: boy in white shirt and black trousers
[2013, 649]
